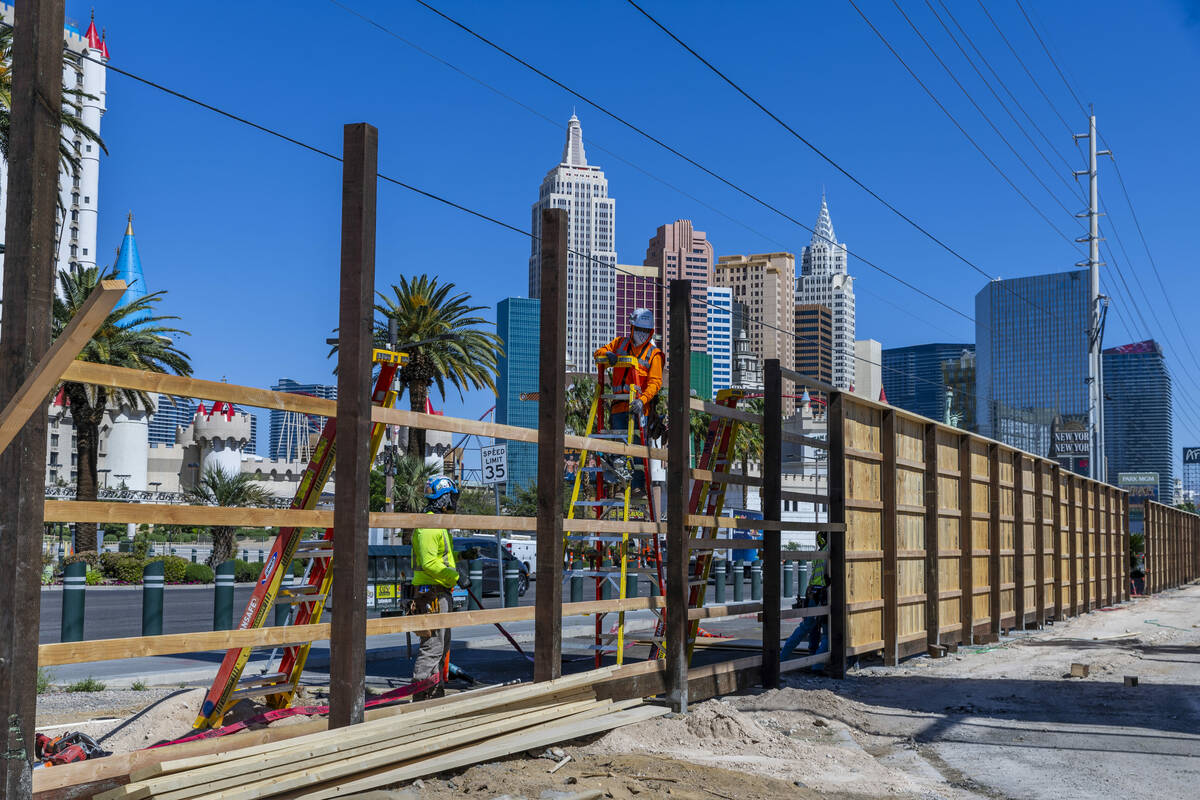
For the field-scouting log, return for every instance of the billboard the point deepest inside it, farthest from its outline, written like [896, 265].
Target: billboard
[1191, 455]
[1142, 486]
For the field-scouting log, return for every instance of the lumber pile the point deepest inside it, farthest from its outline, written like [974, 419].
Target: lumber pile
[471, 728]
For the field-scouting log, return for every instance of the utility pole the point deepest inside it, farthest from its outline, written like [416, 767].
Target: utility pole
[1097, 306]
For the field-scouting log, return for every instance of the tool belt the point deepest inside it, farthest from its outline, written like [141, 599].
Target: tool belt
[427, 601]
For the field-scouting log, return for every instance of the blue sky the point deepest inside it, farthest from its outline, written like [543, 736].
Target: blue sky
[242, 229]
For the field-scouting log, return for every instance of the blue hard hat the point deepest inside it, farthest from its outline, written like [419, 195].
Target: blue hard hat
[439, 486]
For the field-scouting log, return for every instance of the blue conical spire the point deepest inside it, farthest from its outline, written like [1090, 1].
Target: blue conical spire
[129, 269]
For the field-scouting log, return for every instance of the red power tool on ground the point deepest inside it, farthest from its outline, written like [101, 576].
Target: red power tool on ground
[66, 749]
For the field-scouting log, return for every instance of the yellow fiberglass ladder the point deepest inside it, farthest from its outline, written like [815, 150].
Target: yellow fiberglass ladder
[604, 486]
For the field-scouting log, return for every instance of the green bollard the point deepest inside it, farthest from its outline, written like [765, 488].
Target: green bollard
[607, 590]
[475, 573]
[789, 579]
[152, 598]
[719, 579]
[511, 585]
[283, 609]
[739, 582]
[193, 555]
[223, 597]
[631, 584]
[74, 584]
[805, 572]
[756, 579]
[576, 582]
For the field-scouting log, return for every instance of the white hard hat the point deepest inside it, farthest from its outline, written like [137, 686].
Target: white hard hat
[642, 318]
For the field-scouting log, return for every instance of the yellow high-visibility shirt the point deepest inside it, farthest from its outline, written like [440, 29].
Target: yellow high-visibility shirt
[433, 558]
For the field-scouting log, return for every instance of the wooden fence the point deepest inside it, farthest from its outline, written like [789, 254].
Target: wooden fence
[1172, 547]
[955, 538]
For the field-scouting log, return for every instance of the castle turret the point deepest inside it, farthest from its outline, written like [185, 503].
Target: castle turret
[129, 269]
[221, 433]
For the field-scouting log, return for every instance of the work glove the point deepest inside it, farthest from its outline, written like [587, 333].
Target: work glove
[464, 581]
[636, 407]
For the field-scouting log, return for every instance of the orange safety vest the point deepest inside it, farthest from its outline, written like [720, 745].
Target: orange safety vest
[646, 377]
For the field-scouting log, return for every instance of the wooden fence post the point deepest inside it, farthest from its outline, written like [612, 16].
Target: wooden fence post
[933, 540]
[1039, 547]
[33, 170]
[887, 495]
[552, 380]
[678, 483]
[1019, 520]
[966, 528]
[1059, 539]
[838, 589]
[1073, 543]
[356, 314]
[1126, 550]
[994, 542]
[772, 509]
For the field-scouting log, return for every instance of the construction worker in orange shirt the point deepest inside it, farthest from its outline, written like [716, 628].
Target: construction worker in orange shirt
[645, 378]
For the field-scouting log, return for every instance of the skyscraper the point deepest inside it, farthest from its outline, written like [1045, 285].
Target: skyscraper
[582, 190]
[814, 341]
[765, 283]
[169, 413]
[1137, 413]
[1191, 474]
[291, 431]
[720, 335]
[518, 324]
[681, 251]
[913, 379]
[823, 280]
[637, 287]
[1031, 349]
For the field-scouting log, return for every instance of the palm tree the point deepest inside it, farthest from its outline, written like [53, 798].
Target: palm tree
[748, 446]
[578, 404]
[442, 335]
[411, 475]
[72, 102]
[220, 488]
[132, 336]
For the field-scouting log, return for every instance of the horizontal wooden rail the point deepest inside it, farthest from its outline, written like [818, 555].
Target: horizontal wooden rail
[799, 438]
[722, 544]
[726, 477]
[804, 555]
[806, 381]
[730, 610]
[804, 497]
[175, 643]
[762, 525]
[717, 410]
[793, 664]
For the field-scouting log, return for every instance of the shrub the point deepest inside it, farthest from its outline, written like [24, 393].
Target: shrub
[94, 577]
[122, 567]
[297, 568]
[44, 677]
[88, 684]
[90, 558]
[138, 686]
[246, 571]
[198, 573]
[174, 568]
[141, 543]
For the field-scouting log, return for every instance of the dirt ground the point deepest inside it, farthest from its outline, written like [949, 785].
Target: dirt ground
[999, 721]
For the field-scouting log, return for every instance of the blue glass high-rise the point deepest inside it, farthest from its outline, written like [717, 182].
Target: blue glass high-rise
[518, 324]
[912, 376]
[1137, 414]
[1031, 349]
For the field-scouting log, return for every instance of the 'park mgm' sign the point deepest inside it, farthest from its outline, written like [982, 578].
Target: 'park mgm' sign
[1142, 486]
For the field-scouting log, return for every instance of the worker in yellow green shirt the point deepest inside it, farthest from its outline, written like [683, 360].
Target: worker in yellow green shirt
[434, 577]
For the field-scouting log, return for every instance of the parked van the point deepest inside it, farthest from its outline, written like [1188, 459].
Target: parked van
[524, 549]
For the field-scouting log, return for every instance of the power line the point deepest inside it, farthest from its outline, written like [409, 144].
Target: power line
[1050, 56]
[808, 143]
[641, 132]
[1076, 189]
[957, 124]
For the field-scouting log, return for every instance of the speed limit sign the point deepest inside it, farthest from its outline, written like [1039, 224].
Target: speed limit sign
[494, 459]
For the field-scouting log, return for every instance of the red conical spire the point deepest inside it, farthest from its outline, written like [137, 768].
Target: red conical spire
[92, 36]
[104, 43]
[882, 395]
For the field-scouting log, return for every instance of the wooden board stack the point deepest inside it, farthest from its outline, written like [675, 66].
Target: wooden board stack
[472, 728]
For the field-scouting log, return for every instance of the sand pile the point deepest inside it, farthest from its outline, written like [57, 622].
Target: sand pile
[163, 720]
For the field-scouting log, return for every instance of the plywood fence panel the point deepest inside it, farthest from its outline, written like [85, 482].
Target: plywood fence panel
[862, 433]
[911, 539]
[949, 555]
[981, 525]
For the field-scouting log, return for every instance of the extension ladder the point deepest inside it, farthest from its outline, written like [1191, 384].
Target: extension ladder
[307, 599]
[597, 550]
[708, 499]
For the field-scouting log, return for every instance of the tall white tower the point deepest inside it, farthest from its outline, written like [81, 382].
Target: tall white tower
[824, 280]
[222, 434]
[79, 190]
[582, 191]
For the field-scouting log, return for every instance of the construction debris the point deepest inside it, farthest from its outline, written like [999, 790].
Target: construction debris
[1080, 670]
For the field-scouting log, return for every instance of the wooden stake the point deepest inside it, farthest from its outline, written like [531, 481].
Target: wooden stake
[347, 646]
[35, 107]
[837, 571]
[772, 508]
[678, 490]
[552, 380]
[887, 494]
